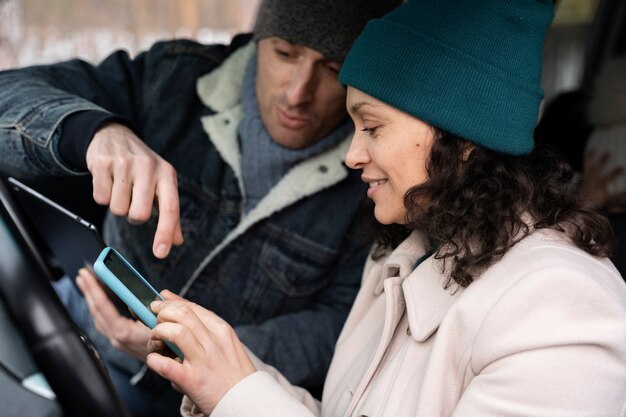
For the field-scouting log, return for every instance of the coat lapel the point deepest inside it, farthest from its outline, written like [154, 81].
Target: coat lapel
[395, 270]
[427, 301]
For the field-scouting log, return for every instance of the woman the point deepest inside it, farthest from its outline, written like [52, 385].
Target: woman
[489, 293]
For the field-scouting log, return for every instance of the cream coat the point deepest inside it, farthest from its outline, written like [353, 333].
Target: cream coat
[541, 333]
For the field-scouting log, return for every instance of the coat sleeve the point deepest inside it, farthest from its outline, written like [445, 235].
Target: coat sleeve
[264, 393]
[554, 344]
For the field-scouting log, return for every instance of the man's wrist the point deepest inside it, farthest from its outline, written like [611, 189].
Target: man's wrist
[78, 130]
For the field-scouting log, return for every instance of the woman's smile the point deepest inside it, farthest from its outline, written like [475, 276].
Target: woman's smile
[374, 185]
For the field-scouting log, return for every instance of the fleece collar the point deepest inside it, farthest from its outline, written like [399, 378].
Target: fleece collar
[220, 89]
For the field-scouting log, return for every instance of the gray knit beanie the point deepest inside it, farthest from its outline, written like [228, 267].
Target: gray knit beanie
[328, 26]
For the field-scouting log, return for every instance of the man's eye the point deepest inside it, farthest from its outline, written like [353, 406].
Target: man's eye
[283, 53]
[333, 69]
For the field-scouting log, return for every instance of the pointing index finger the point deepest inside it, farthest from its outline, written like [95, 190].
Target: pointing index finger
[168, 230]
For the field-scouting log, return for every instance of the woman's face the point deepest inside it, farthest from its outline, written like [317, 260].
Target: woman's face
[392, 148]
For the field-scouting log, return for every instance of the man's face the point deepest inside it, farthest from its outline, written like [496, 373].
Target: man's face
[299, 95]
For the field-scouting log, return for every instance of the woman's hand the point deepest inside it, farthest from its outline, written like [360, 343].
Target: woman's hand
[129, 336]
[215, 359]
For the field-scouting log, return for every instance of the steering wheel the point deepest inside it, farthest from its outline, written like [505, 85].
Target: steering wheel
[69, 363]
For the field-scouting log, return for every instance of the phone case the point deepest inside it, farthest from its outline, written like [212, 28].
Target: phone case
[125, 294]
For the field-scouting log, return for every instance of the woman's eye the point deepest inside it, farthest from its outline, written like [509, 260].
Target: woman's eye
[369, 130]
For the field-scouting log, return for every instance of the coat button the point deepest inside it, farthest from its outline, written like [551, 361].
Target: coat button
[323, 169]
[408, 331]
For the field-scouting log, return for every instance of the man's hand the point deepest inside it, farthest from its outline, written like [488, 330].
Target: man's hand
[129, 336]
[128, 177]
[215, 359]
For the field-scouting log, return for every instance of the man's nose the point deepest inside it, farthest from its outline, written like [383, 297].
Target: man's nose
[301, 88]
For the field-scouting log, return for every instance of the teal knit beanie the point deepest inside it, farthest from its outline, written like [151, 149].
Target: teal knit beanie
[469, 67]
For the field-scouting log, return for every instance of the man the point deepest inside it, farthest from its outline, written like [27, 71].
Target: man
[236, 149]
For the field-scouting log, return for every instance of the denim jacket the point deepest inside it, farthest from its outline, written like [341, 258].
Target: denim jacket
[285, 274]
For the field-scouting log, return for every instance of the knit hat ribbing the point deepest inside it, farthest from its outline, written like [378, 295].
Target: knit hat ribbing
[469, 67]
[328, 26]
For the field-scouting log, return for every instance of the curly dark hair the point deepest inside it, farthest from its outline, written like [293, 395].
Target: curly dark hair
[479, 202]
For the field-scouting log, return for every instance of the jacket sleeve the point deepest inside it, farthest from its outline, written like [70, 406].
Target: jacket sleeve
[553, 344]
[34, 102]
[301, 344]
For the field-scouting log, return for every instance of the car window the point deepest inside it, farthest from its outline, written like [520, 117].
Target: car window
[35, 31]
[565, 46]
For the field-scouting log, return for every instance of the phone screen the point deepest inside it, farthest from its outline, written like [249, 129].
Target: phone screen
[129, 278]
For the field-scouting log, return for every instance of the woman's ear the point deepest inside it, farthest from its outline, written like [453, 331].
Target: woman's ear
[467, 151]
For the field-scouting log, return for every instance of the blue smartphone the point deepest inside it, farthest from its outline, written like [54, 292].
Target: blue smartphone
[130, 287]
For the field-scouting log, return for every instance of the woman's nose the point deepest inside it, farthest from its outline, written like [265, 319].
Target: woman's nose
[357, 155]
